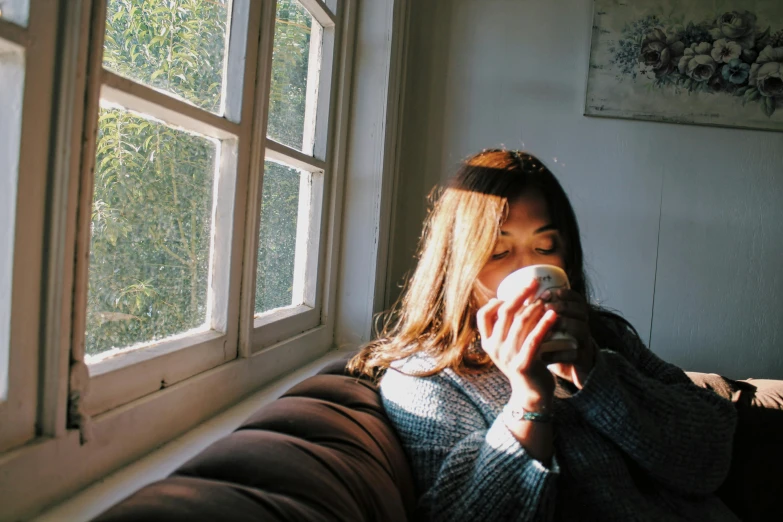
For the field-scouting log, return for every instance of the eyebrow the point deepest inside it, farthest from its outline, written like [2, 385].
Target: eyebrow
[545, 228]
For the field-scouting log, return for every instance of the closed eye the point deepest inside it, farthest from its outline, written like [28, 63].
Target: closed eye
[500, 255]
[546, 252]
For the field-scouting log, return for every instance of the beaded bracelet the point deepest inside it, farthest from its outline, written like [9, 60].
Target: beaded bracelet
[517, 415]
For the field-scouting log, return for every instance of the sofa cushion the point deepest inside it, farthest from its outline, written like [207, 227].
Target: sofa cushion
[322, 452]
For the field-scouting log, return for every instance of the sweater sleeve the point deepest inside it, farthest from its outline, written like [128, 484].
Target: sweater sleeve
[680, 433]
[465, 469]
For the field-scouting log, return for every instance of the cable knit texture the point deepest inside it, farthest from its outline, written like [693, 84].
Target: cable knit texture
[640, 441]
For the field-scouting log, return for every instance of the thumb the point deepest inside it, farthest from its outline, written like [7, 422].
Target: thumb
[561, 370]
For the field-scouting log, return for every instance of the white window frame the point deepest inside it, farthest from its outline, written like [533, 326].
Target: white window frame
[49, 309]
[136, 373]
[19, 411]
[274, 326]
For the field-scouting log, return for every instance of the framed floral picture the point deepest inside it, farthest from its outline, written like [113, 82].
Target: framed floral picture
[708, 62]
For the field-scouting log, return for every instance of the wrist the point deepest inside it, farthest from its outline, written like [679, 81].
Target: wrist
[530, 402]
[514, 415]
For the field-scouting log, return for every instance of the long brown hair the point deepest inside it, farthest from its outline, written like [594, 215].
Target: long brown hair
[437, 310]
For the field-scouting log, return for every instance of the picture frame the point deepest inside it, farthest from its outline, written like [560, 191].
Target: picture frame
[700, 62]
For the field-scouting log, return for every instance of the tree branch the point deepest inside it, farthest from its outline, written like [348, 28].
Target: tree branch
[174, 254]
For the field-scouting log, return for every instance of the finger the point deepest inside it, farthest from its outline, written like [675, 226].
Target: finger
[508, 309]
[486, 317]
[569, 309]
[566, 294]
[526, 293]
[561, 370]
[523, 323]
[532, 345]
[530, 291]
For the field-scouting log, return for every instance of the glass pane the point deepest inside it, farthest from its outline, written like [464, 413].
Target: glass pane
[11, 94]
[151, 231]
[284, 212]
[332, 5]
[178, 46]
[296, 66]
[16, 11]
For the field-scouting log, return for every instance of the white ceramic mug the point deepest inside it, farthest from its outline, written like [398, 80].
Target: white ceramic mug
[549, 277]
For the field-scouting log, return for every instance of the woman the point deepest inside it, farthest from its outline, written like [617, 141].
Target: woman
[493, 430]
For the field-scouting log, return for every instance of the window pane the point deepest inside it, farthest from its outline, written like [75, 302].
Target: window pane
[332, 5]
[285, 209]
[15, 11]
[151, 231]
[177, 46]
[296, 66]
[11, 90]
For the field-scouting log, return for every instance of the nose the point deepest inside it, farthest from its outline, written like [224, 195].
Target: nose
[526, 259]
[523, 260]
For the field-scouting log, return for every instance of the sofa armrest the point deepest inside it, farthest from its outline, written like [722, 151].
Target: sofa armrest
[752, 488]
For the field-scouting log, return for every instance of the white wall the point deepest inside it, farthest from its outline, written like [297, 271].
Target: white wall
[707, 293]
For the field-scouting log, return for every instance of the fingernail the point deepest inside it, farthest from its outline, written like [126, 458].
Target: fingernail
[546, 296]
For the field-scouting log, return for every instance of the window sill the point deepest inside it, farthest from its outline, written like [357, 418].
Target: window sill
[110, 490]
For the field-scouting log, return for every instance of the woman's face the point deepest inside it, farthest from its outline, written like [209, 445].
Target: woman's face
[528, 237]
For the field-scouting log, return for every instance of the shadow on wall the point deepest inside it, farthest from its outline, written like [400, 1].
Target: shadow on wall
[422, 133]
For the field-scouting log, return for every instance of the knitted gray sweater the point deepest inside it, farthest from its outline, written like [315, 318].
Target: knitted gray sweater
[640, 441]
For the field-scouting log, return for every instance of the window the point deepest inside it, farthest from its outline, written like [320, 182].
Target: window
[174, 130]
[11, 86]
[171, 245]
[12, 64]
[154, 182]
[295, 172]
[171, 131]
[25, 85]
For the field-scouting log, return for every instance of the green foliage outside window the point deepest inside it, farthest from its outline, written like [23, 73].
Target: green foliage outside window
[154, 184]
[279, 203]
[275, 269]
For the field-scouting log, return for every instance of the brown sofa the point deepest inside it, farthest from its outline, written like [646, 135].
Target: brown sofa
[325, 451]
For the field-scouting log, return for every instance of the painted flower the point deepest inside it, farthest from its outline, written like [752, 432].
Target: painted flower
[737, 26]
[697, 62]
[718, 84]
[735, 72]
[724, 51]
[767, 73]
[661, 52]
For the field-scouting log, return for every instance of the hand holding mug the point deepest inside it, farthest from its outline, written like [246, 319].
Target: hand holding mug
[512, 335]
[568, 349]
